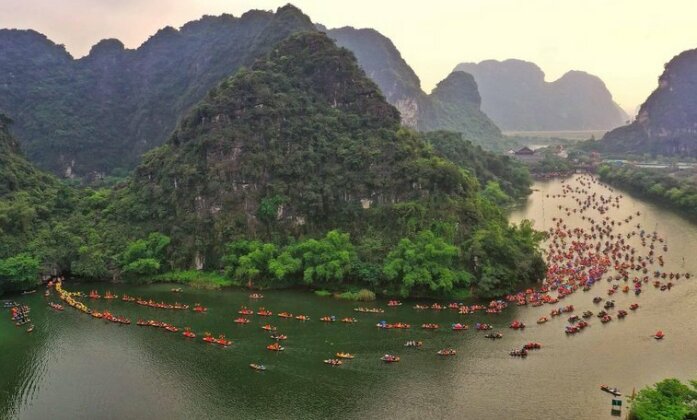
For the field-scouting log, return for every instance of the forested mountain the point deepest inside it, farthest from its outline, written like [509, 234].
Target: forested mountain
[667, 121]
[294, 170]
[517, 97]
[299, 145]
[101, 112]
[453, 105]
[30, 202]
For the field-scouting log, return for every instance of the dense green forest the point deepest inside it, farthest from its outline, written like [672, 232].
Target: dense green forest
[669, 399]
[656, 184]
[295, 171]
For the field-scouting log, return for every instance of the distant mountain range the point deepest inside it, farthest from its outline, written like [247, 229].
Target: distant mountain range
[453, 105]
[667, 121]
[98, 114]
[102, 112]
[516, 96]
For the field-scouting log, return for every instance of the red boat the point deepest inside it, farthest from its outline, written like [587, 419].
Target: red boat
[245, 311]
[198, 308]
[275, 347]
[188, 333]
[517, 325]
[241, 321]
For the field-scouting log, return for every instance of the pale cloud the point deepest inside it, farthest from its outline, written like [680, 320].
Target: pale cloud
[625, 42]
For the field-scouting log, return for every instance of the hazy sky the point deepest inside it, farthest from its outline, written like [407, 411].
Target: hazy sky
[625, 42]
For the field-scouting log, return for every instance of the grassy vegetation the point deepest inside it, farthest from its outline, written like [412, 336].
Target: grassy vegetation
[192, 278]
[363, 295]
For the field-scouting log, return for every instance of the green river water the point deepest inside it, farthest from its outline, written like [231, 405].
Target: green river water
[76, 367]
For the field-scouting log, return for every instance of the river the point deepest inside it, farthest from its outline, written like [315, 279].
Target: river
[76, 367]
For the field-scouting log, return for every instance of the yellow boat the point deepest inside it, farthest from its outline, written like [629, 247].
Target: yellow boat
[345, 356]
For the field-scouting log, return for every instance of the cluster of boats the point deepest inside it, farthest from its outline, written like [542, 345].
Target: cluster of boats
[152, 304]
[108, 316]
[19, 314]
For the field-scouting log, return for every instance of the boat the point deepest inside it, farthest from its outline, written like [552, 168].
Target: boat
[285, 315]
[369, 310]
[421, 307]
[659, 335]
[97, 315]
[29, 292]
[241, 321]
[519, 353]
[172, 328]
[532, 346]
[542, 320]
[388, 358]
[268, 327]
[413, 343]
[30, 329]
[109, 296]
[345, 356]
[494, 336]
[279, 337]
[258, 367]
[459, 327]
[446, 352]
[177, 290]
[333, 362]
[517, 325]
[634, 306]
[56, 306]
[208, 338]
[256, 296]
[245, 311]
[302, 317]
[482, 327]
[430, 326]
[349, 320]
[394, 303]
[275, 347]
[198, 308]
[222, 341]
[614, 391]
[188, 333]
[264, 312]
[331, 318]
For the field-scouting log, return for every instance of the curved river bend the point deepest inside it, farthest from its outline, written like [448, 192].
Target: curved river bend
[75, 367]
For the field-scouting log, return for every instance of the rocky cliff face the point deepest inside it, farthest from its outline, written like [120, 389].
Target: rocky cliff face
[457, 110]
[667, 122]
[517, 97]
[101, 112]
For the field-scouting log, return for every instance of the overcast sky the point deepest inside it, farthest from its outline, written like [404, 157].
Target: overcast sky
[625, 42]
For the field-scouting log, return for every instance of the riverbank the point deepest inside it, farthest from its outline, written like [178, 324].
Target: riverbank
[662, 186]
